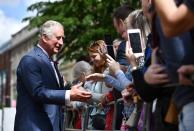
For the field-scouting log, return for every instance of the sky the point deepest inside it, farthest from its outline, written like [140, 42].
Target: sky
[11, 14]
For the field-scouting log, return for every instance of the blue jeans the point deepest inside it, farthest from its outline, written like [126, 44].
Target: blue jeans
[186, 118]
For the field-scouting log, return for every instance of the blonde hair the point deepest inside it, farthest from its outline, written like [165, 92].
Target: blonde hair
[97, 46]
[136, 19]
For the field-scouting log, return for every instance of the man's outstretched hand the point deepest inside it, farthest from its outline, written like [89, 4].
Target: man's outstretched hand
[78, 93]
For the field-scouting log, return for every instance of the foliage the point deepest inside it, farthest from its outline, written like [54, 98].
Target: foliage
[84, 21]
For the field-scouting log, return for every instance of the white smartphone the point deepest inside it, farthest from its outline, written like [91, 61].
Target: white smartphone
[134, 36]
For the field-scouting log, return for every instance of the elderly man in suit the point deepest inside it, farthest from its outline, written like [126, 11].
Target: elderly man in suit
[40, 86]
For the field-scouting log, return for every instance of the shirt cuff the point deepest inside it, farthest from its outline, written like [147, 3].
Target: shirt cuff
[67, 97]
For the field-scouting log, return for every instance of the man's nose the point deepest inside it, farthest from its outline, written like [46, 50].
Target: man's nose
[61, 42]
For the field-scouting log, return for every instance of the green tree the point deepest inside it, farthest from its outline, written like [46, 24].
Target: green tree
[83, 20]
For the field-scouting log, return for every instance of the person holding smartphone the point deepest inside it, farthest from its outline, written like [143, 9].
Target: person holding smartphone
[119, 16]
[97, 51]
[149, 92]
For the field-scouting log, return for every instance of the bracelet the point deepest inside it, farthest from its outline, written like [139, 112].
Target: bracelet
[133, 68]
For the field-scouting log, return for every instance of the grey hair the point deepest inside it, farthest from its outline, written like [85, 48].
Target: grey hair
[47, 27]
[81, 67]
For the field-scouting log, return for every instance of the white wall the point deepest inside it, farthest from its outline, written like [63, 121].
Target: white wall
[9, 117]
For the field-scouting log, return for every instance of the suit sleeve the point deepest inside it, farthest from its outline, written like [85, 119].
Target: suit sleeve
[29, 72]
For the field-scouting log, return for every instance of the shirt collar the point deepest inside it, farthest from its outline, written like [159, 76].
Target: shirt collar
[43, 50]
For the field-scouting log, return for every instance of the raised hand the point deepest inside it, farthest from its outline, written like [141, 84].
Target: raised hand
[113, 65]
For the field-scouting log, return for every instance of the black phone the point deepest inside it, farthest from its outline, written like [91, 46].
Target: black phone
[109, 45]
[110, 51]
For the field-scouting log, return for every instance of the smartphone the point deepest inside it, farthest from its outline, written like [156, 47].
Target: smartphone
[134, 36]
[109, 46]
[110, 51]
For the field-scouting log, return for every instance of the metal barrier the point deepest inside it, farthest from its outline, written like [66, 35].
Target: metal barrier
[86, 117]
[68, 129]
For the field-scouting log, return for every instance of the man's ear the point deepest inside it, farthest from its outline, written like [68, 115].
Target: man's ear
[121, 22]
[44, 38]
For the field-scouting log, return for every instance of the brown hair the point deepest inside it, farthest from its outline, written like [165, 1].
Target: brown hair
[99, 46]
[122, 12]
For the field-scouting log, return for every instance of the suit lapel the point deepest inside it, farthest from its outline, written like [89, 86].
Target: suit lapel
[46, 60]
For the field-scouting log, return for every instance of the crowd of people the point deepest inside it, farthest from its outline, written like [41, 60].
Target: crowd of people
[151, 92]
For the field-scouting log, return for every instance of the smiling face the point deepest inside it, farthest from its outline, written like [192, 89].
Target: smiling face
[52, 39]
[96, 59]
[97, 54]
